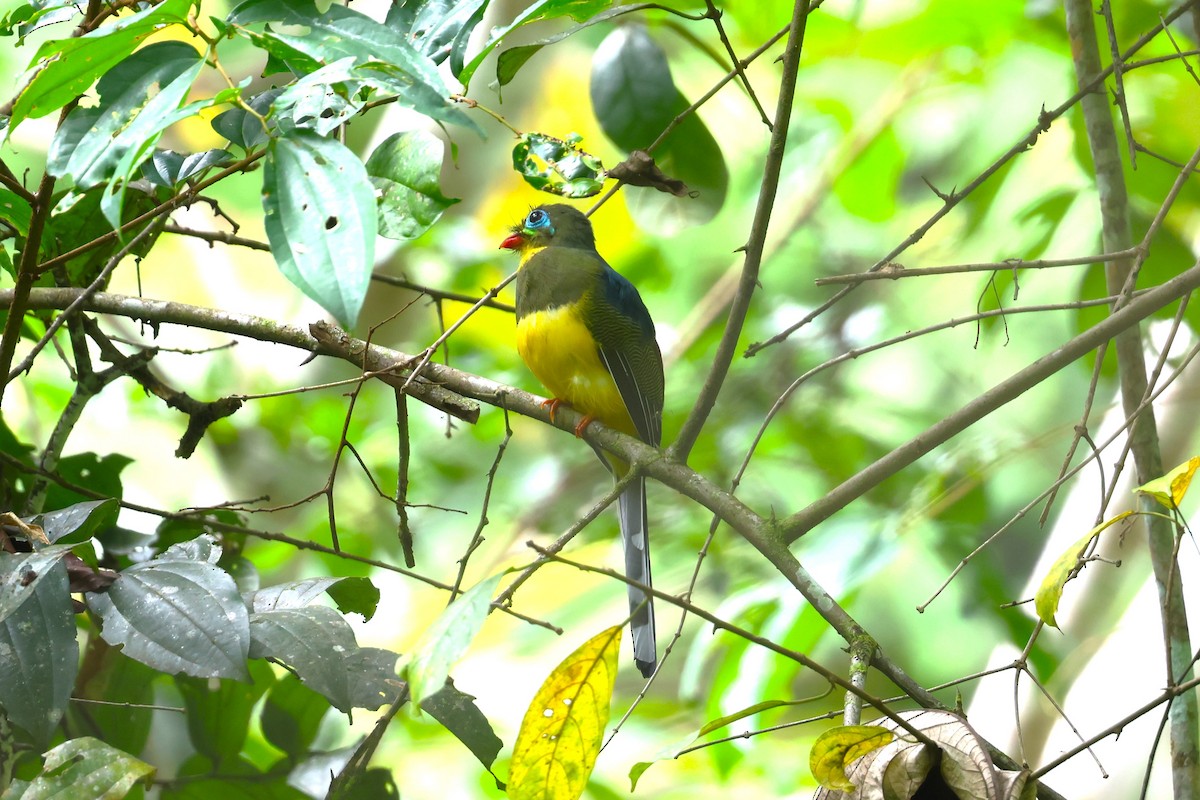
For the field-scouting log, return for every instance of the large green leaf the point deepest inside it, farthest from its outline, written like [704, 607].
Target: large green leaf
[352, 595]
[87, 769]
[457, 712]
[39, 655]
[635, 98]
[320, 220]
[406, 169]
[67, 67]
[179, 612]
[218, 716]
[341, 33]
[79, 521]
[319, 645]
[20, 574]
[292, 715]
[513, 58]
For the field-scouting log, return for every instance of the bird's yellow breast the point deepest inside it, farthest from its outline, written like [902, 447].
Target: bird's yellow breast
[560, 351]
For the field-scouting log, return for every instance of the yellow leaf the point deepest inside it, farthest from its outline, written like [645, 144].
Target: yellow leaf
[1170, 488]
[562, 730]
[1050, 592]
[837, 748]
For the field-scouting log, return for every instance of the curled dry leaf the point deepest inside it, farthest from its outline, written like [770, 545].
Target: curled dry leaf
[897, 770]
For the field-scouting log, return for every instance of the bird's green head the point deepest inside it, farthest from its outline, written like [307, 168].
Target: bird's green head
[555, 224]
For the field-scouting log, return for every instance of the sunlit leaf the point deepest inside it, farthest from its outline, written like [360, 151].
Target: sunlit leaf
[440, 29]
[79, 521]
[837, 748]
[321, 220]
[1049, 594]
[561, 733]
[406, 171]
[445, 641]
[87, 767]
[67, 67]
[512, 59]
[1171, 488]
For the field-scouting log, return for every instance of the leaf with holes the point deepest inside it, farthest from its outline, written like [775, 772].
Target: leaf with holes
[560, 735]
[320, 220]
[87, 767]
[179, 612]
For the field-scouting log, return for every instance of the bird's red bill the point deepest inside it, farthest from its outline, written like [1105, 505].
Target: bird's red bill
[513, 242]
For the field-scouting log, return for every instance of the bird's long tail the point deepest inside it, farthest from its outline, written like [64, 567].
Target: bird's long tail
[631, 506]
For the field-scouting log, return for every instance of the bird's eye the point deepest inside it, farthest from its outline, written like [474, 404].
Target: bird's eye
[537, 218]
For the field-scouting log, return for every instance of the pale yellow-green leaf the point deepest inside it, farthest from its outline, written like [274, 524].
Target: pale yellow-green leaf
[1171, 488]
[837, 748]
[560, 736]
[1049, 594]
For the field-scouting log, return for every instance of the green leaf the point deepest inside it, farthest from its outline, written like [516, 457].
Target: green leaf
[579, 10]
[20, 574]
[292, 715]
[178, 612]
[438, 29]
[29, 17]
[1048, 595]
[80, 521]
[445, 641]
[218, 718]
[342, 33]
[557, 166]
[168, 169]
[243, 128]
[15, 212]
[352, 595]
[837, 748]
[457, 712]
[405, 170]
[100, 474]
[635, 99]
[318, 644]
[320, 220]
[511, 60]
[39, 655]
[87, 768]
[67, 67]
[355, 596]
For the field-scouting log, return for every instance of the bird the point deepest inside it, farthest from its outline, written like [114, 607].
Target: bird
[585, 333]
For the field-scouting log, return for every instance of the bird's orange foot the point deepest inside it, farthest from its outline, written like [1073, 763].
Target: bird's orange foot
[588, 419]
[553, 404]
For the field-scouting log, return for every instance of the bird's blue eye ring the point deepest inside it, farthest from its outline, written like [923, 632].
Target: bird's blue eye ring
[537, 219]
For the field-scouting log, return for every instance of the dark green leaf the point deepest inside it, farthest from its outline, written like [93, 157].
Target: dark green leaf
[355, 596]
[178, 613]
[635, 99]
[69, 66]
[99, 474]
[167, 168]
[457, 712]
[375, 783]
[292, 715]
[20, 574]
[439, 29]
[579, 10]
[243, 128]
[87, 768]
[320, 220]
[218, 718]
[234, 779]
[39, 655]
[82, 519]
[405, 170]
[319, 645]
[558, 167]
